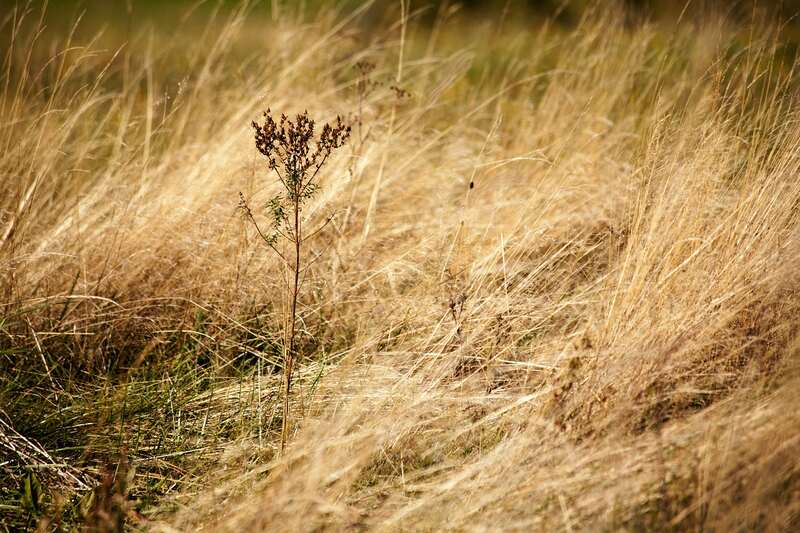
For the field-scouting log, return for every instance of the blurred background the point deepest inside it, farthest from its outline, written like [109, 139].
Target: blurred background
[562, 11]
[113, 22]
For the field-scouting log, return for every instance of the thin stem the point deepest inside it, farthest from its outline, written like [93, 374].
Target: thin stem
[290, 350]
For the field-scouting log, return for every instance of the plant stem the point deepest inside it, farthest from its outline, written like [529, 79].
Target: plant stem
[288, 359]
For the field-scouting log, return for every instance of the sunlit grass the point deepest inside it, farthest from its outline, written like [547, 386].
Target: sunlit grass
[560, 290]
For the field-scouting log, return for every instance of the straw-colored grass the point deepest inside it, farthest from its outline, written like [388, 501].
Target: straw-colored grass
[560, 293]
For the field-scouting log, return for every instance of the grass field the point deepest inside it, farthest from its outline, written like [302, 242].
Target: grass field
[560, 289]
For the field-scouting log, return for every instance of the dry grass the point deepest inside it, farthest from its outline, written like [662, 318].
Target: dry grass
[562, 291]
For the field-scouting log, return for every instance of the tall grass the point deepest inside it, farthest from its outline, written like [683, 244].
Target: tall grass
[562, 294]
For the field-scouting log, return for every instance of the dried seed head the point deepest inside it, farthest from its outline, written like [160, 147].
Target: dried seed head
[399, 92]
[296, 155]
[293, 151]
